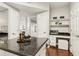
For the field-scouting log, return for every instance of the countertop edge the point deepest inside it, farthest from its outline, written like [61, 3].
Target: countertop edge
[7, 50]
[40, 47]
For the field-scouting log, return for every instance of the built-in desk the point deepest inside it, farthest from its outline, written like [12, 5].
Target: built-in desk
[63, 44]
[60, 38]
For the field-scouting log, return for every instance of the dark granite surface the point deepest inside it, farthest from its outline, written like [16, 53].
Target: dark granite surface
[62, 34]
[23, 49]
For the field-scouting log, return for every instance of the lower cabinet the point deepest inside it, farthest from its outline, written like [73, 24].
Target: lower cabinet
[42, 51]
[5, 53]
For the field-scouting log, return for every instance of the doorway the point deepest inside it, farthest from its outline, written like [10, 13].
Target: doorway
[3, 24]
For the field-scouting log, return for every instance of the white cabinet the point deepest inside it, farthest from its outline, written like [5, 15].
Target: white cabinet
[5, 53]
[42, 51]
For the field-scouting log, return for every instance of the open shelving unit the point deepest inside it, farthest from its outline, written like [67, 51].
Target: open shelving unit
[59, 23]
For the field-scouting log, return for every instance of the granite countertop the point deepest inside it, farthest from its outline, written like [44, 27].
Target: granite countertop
[62, 34]
[23, 49]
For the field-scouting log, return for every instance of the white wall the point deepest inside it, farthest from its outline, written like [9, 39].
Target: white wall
[4, 21]
[3, 18]
[43, 24]
[22, 21]
[75, 28]
[33, 31]
[61, 11]
[25, 23]
[14, 17]
[13, 21]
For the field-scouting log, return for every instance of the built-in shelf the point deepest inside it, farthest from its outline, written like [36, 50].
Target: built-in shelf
[60, 33]
[58, 20]
[59, 25]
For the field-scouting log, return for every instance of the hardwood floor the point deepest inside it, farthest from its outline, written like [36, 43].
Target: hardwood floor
[52, 51]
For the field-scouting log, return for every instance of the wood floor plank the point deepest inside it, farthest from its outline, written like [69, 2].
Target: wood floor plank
[58, 52]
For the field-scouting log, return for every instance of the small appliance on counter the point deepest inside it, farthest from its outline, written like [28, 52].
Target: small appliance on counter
[23, 38]
[53, 32]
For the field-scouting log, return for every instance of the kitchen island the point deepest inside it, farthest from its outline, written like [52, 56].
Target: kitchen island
[36, 47]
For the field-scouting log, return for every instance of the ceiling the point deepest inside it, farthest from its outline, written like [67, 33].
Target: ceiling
[32, 10]
[58, 4]
[2, 9]
[26, 9]
[52, 4]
